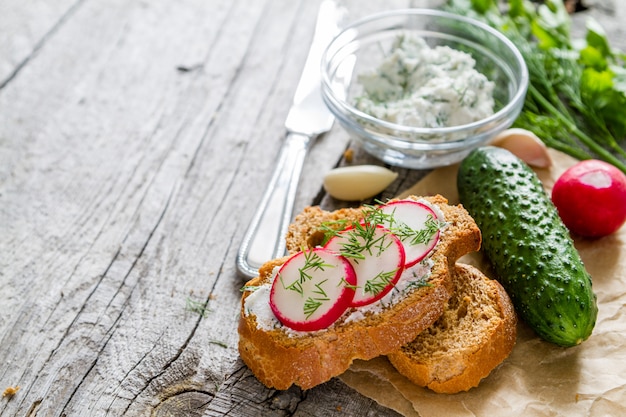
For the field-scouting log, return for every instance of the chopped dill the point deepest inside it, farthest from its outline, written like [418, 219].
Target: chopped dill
[312, 262]
[418, 284]
[319, 290]
[250, 288]
[332, 229]
[294, 286]
[379, 282]
[361, 240]
[198, 307]
[417, 236]
[312, 304]
[346, 284]
[219, 343]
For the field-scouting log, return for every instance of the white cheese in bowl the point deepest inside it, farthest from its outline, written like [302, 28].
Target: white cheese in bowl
[419, 86]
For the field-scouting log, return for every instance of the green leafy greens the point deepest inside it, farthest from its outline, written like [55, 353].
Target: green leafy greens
[577, 93]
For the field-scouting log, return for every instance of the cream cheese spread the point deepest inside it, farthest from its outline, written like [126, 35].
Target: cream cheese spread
[258, 303]
[419, 86]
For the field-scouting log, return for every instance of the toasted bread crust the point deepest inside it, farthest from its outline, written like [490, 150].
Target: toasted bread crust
[280, 360]
[474, 335]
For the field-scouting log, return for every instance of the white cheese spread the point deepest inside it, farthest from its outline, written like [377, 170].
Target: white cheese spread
[421, 86]
[258, 303]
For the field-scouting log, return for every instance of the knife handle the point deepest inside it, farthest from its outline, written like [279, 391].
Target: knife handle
[265, 237]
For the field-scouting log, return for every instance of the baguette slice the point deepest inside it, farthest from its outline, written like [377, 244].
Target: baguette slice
[280, 358]
[474, 335]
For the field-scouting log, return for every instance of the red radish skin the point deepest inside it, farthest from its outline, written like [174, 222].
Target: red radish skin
[381, 267]
[414, 215]
[312, 290]
[591, 198]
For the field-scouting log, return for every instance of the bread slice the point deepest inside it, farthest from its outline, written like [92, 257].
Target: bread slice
[475, 334]
[280, 357]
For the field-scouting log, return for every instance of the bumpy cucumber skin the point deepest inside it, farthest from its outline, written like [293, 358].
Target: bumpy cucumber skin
[528, 245]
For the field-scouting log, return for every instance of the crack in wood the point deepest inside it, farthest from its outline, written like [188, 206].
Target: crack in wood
[32, 411]
[37, 46]
[186, 402]
[243, 394]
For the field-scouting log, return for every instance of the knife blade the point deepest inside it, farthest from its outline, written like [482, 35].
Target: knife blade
[308, 117]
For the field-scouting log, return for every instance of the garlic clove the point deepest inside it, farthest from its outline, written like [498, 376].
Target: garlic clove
[525, 145]
[358, 182]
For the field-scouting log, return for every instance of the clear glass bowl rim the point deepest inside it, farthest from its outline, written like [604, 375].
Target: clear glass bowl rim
[346, 108]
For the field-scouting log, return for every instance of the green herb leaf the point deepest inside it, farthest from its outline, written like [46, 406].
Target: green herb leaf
[577, 89]
[379, 282]
[198, 307]
[312, 304]
[219, 343]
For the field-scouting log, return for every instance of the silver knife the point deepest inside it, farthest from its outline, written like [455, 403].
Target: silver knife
[308, 117]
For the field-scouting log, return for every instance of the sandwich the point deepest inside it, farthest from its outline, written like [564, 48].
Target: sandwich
[392, 268]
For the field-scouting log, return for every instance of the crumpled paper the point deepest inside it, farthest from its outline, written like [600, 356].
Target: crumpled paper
[538, 378]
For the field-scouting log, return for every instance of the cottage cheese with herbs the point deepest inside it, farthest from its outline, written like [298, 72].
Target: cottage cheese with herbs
[421, 86]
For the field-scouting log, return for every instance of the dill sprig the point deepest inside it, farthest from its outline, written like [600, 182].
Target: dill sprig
[379, 282]
[319, 290]
[361, 240]
[403, 231]
[333, 228]
[219, 343]
[312, 304]
[417, 236]
[250, 288]
[294, 286]
[312, 263]
[418, 282]
[346, 284]
[198, 307]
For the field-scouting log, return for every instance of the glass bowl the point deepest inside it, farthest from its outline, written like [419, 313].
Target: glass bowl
[364, 45]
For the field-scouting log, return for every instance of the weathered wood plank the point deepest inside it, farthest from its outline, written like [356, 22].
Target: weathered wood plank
[243, 395]
[119, 210]
[102, 209]
[25, 28]
[135, 140]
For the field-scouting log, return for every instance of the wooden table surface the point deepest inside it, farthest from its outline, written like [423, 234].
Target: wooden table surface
[136, 139]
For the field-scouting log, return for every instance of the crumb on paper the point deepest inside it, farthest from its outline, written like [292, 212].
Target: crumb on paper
[9, 392]
[348, 155]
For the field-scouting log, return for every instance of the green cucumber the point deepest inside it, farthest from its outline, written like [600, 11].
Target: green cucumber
[528, 246]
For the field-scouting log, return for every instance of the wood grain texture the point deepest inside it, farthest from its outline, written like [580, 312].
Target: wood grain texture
[136, 138]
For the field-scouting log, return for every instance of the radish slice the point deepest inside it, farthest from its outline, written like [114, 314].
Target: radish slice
[377, 257]
[312, 290]
[416, 226]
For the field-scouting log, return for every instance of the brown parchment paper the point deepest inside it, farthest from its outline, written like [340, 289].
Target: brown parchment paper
[538, 378]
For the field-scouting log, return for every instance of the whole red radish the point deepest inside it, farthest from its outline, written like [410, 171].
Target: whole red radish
[591, 198]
